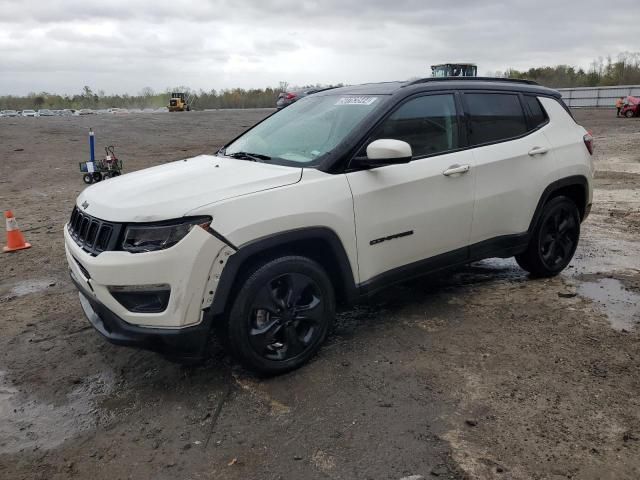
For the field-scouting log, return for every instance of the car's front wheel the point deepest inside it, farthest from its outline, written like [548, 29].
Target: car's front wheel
[628, 113]
[554, 240]
[281, 315]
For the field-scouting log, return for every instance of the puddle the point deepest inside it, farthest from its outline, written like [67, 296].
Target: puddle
[26, 287]
[26, 423]
[622, 306]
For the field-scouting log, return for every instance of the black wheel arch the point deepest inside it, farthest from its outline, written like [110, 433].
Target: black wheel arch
[575, 187]
[320, 244]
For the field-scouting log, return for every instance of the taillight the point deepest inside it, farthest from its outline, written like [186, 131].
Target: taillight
[291, 96]
[588, 141]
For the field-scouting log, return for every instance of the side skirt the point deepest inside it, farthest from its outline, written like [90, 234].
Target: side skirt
[504, 246]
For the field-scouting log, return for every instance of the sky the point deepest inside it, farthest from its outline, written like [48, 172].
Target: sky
[122, 46]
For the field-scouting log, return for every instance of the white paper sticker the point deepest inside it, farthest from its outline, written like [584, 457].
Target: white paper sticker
[356, 100]
[12, 224]
[90, 168]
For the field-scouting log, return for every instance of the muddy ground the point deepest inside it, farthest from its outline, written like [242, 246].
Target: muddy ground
[480, 372]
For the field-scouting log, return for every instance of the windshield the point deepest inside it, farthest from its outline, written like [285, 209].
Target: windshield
[304, 131]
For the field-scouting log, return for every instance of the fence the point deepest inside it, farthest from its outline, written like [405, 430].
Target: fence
[581, 97]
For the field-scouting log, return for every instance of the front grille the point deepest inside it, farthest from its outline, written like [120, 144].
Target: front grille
[92, 234]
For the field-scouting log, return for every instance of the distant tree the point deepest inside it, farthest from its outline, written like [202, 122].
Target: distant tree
[38, 102]
[147, 92]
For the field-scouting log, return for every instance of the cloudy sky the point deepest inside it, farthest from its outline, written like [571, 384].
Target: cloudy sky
[124, 45]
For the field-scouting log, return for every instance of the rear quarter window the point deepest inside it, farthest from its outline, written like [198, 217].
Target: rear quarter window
[537, 115]
[494, 117]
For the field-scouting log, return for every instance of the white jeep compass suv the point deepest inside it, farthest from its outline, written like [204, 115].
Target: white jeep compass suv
[330, 199]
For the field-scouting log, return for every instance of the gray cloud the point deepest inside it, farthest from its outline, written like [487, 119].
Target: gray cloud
[118, 45]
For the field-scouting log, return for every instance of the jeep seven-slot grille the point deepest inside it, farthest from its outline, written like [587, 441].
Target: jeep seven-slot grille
[92, 234]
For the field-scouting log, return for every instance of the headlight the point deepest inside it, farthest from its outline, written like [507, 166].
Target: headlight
[149, 237]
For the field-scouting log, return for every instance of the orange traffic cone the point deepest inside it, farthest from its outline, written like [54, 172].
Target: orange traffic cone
[15, 239]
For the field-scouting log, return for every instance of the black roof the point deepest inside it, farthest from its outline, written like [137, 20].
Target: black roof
[447, 83]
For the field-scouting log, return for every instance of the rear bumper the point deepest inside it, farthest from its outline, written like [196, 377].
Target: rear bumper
[187, 344]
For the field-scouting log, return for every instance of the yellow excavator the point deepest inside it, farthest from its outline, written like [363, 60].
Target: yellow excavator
[179, 102]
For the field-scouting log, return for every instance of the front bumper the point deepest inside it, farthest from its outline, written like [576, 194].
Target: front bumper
[185, 344]
[191, 269]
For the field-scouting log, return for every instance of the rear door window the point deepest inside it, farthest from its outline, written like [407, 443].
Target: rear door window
[494, 117]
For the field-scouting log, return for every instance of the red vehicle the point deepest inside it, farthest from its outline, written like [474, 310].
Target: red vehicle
[631, 108]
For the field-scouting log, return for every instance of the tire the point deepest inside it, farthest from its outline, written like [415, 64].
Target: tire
[554, 239]
[115, 174]
[97, 176]
[628, 113]
[281, 315]
[87, 178]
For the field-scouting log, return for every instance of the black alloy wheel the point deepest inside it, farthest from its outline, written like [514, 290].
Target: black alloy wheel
[559, 237]
[285, 317]
[281, 314]
[554, 240]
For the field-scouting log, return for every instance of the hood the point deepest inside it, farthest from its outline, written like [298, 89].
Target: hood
[170, 190]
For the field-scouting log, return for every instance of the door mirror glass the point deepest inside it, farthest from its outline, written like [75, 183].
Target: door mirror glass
[385, 151]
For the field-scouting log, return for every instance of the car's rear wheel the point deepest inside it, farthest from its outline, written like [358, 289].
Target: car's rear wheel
[554, 240]
[281, 315]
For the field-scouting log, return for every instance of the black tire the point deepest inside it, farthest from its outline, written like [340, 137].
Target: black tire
[554, 239]
[87, 178]
[281, 315]
[628, 113]
[97, 176]
[115, 174]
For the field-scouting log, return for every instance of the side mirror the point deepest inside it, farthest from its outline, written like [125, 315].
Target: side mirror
[385, 151]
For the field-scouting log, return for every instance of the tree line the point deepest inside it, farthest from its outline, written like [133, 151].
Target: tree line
[601, 73]
[625, 70]
[147, 98]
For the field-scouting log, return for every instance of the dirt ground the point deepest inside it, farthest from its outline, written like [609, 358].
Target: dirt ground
[479, 373]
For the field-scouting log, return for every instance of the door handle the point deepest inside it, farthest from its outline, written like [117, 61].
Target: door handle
[456, 169]
[538, 151]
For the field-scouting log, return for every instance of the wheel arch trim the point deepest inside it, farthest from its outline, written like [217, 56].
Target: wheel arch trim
[252, 250]
[571, 181]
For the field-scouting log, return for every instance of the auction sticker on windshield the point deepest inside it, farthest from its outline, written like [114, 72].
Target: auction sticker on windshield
[356, 100]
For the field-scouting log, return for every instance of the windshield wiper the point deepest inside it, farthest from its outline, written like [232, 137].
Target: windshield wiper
[254, 157]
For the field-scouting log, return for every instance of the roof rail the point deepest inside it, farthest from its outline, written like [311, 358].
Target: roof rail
[474, 79]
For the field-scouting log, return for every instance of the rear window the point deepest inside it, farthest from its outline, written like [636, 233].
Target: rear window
[494, 117]
[537, 114]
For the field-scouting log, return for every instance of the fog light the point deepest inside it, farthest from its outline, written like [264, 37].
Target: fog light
[142, 298]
